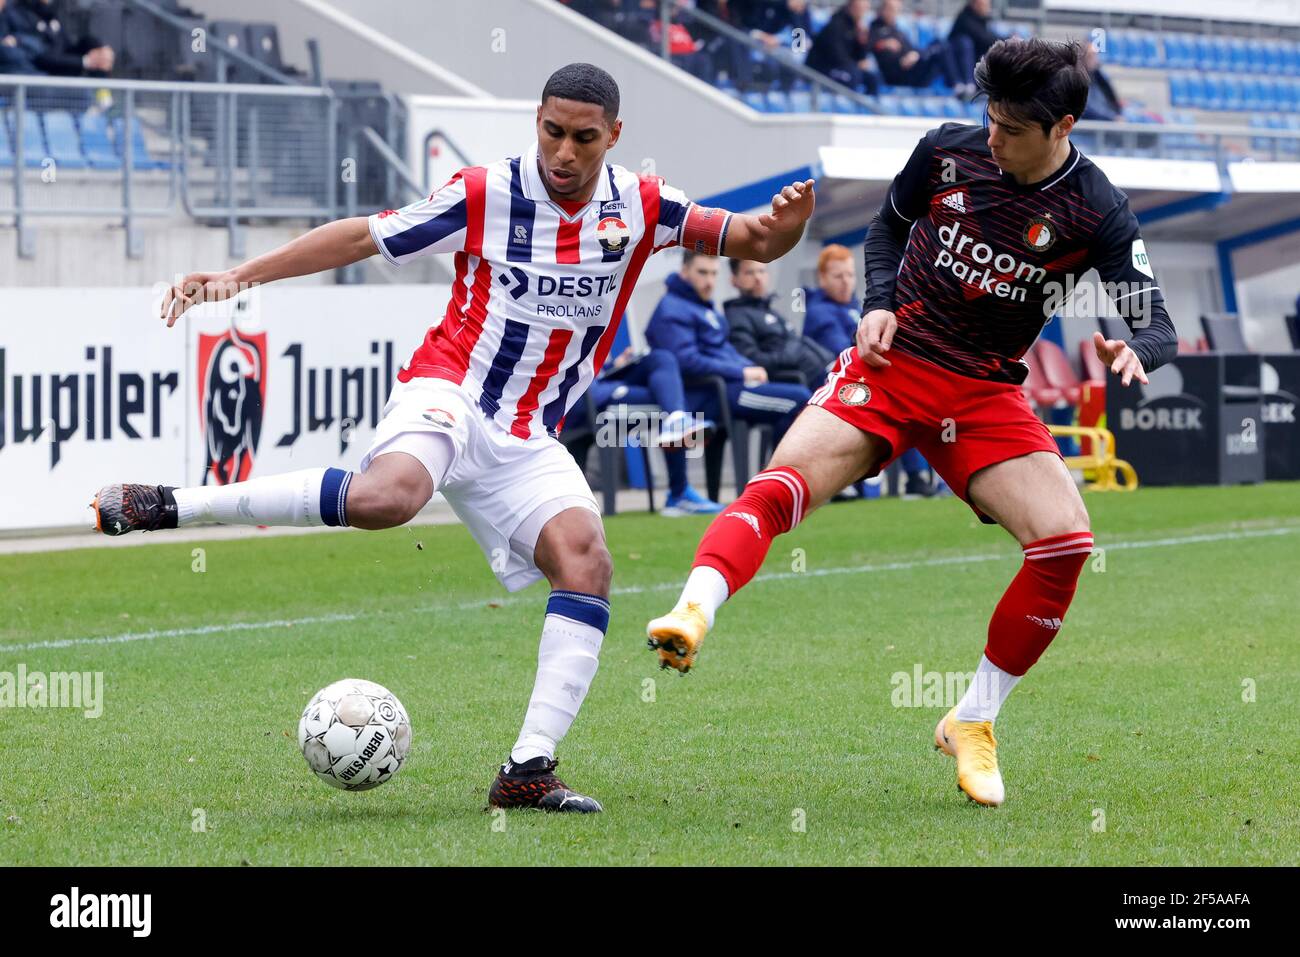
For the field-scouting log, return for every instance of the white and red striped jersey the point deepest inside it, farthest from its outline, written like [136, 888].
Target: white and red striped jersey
[539, 291]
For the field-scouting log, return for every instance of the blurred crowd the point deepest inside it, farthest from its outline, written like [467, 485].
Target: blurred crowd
[33, 41]
[861, 45]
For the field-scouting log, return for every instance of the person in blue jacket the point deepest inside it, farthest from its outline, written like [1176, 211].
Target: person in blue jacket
[687, 324]
[831, 315]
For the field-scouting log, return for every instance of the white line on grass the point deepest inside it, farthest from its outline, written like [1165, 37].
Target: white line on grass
[626, 590]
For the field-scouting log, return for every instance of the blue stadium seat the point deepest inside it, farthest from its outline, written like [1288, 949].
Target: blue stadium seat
[925, 32]
[889, 104]
[1232, 93]
[819, 17]
[1180, 90]
[63, 139]
[6, 152]
[96, 145]
[1153, 51]
[778, 102]
[140, 152]
[842, 104]
[1206, 57]
[801, 101]
[910, 106]
[953, 108]
[975, 110]
[34, 147]
[1238, 59]
[1257, 56]
[754, 99]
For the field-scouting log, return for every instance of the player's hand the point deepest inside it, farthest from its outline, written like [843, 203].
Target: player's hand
[1122, 360]
[875, 336]
[754, 375]
[195, 288]
[791, 208]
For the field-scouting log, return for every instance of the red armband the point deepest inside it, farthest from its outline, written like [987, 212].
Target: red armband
[705, 230]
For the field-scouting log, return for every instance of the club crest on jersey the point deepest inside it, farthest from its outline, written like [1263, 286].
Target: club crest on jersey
[854, 393]
[612, 234]
[1040, 234]
[440, 417]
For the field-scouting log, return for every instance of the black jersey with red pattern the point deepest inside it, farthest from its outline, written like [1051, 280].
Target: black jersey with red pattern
[974, 264]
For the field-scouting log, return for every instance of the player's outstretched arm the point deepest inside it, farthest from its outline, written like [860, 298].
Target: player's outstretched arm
[773, 234]
[331, 246]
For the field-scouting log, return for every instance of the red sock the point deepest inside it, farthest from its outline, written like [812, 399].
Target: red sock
[736, 543]
[1030, 613]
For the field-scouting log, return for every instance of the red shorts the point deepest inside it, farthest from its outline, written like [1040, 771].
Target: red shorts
[960, 424]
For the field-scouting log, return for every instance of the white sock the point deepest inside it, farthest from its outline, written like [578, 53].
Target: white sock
[987, 693]
[707, 588]
[566, 663]
[309, 497]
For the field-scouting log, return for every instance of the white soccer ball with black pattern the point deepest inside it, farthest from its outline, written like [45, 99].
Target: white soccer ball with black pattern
[354, 734]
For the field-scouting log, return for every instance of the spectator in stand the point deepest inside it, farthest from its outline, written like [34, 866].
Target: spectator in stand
[655, 378]
[1103, 102]
[686, 323]
[831, 315]
[971, 36]
[771, 23]
[900, 63]
[40, 34]
[759, 332]
[624, 17]
[840, 50]
[13, 57]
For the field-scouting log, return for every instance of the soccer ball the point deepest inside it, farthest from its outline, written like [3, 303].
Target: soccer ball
[354, 734]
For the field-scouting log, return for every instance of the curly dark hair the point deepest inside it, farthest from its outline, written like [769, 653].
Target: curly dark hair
[586, 84]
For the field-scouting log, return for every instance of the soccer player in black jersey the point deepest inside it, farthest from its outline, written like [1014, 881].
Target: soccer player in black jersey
[978, 242]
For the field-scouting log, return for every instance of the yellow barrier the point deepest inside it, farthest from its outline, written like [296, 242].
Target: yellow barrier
[1106, 469]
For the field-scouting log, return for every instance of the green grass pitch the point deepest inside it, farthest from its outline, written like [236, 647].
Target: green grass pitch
[1158, 729]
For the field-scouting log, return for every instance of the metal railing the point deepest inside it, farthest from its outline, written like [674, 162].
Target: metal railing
[785, 68]
[132, 149]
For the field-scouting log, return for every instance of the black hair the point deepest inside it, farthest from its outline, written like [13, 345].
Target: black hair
[735, 266]
[586, 84]
[689, 255]
[1035, 81]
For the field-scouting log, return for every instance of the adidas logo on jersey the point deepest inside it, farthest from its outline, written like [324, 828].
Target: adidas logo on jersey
[748, 519]
[1051, 624]
[956, 201]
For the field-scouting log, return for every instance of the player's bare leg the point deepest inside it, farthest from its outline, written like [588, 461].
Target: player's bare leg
[1035, 499]
[571, 553]
[819, 455]
[389, 493]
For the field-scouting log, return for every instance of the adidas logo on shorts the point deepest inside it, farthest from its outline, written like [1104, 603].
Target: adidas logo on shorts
[956, 201]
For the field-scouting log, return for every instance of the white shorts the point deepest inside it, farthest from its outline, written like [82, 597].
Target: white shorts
[503, 488]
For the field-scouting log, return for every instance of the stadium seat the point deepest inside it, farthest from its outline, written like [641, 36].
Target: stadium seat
[778, 101]
[1058, 372]
[1224, 333]
[96, 145]
[1040, 392]
[63, 139]
[6, 152]
[34, 147]
[1094, 370]
[140, 152]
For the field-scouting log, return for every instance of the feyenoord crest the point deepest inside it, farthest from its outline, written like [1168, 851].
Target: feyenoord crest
[854, 393]
[612, 233]
[1040, 234]
[440, 417]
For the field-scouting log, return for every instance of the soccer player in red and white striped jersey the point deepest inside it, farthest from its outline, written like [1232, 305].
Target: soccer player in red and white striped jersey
[547, 247]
